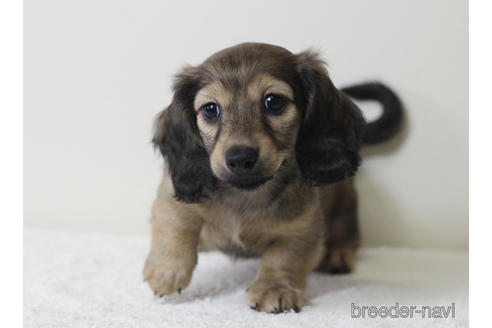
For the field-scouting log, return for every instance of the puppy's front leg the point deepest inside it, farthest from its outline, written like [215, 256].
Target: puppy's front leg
[173, 254]
[282, 278]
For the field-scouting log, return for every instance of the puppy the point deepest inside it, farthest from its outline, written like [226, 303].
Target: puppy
[260, 148]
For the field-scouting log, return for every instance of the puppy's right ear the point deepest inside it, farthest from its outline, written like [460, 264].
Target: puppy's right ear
[178, 139]
[329, 138]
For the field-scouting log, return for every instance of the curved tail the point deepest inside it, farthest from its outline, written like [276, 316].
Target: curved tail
[387, 125]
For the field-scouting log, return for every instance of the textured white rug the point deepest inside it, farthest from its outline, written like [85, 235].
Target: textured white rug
[95, 280]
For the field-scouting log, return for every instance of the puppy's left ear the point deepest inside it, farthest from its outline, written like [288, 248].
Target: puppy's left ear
[177, 137]
[329, 138]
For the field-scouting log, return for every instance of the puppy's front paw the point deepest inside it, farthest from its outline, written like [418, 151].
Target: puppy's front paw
[169, 274]
[267, 296]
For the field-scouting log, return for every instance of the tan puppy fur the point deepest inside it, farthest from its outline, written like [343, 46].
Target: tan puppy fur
[282, 214]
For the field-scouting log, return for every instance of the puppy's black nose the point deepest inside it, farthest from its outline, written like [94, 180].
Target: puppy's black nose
[240, 159]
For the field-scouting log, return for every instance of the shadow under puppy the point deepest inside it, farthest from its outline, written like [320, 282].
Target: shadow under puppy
[259, 148]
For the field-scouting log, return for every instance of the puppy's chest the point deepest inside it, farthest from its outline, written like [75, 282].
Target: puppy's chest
[241, 236]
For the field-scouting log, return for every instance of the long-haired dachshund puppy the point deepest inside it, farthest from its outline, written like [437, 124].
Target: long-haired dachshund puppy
[260, 148]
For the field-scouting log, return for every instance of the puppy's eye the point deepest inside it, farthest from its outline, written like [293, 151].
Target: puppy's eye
[211, 112]
[275, 104]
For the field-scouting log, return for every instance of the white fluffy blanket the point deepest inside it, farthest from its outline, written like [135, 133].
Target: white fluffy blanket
[95, 280]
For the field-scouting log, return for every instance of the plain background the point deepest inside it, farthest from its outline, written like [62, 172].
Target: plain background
[97, 72]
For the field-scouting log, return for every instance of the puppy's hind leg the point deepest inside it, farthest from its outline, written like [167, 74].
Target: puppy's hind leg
[342, 231]
[207, 240]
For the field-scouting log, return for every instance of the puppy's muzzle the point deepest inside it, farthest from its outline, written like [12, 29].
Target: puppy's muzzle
[241, 161]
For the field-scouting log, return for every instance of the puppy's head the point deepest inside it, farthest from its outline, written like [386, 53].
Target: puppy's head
[246, 111]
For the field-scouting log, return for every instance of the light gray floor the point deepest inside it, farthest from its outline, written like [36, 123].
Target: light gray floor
[88, 280]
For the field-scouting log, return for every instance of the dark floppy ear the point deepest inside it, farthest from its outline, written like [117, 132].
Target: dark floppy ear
[177, 137]
[329, 138]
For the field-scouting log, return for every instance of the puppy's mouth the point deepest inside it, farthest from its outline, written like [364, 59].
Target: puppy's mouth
[249, 184]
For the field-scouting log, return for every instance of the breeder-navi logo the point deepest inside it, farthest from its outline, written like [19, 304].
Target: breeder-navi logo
[397, 311]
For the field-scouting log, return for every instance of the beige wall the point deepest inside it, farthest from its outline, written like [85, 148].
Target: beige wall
[96, 72]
